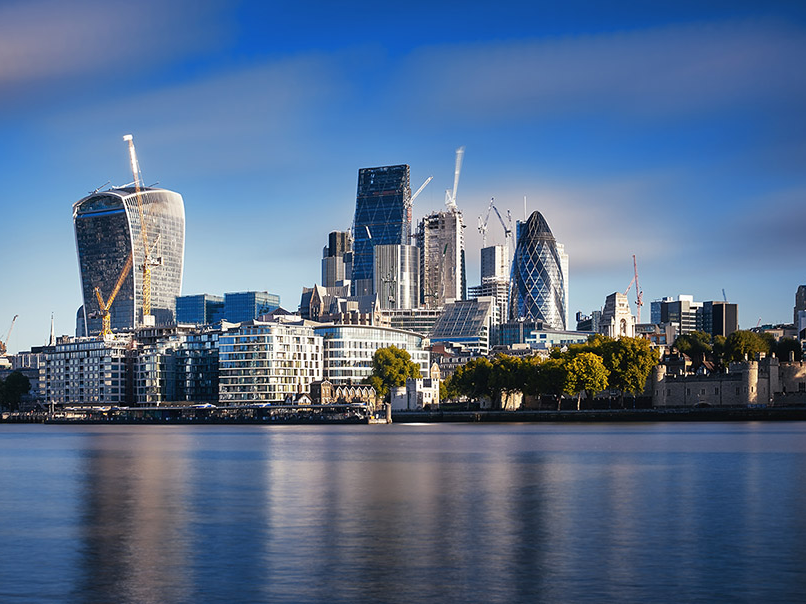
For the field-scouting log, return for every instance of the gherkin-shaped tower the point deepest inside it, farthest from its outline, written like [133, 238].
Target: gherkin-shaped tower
[538, 281]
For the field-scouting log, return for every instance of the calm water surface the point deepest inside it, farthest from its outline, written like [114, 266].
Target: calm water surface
[403, 513]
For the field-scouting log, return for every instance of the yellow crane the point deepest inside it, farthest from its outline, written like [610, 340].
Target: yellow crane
[149, 260]
[106, 318]
[4, 343]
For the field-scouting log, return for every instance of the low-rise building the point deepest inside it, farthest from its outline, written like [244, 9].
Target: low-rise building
[348, 350]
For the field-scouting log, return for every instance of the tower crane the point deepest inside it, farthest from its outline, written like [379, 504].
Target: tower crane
[420, 190]
[483, 223]
[507, 229]
[106, 319]
[450, 195]
[4, 343]
[149, 260]
[639, 294]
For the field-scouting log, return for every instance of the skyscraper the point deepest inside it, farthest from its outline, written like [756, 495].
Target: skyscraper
[382, 217]
[440, 237]
[538, 285]
[337, 258]
[110, 242]
[396, 275]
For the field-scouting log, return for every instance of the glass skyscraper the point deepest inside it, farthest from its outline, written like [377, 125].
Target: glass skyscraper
[538, 281]
[382, 217]
[108, 231]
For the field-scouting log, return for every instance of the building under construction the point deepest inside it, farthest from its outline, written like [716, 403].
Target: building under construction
[131, 244]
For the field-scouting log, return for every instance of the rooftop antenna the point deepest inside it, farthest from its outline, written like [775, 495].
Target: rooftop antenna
[99, 188]
[52, 339]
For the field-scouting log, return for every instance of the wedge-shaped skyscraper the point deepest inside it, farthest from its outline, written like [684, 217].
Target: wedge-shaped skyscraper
[111, 254]
[539, 275]
[382, 217]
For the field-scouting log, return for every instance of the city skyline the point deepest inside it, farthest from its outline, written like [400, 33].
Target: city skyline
[670, 132]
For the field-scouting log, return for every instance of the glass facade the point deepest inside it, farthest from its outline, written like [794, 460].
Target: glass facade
[467, 322]
[397, 272]
[108, 230]
[538, 287]
[348, 350]
[382, 217]
[200, 309]
[246, 306]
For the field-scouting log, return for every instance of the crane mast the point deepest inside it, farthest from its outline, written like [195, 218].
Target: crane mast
[4, 343]
[106, 317]
[483, 223]
[450, 195]
[639, 295]
[149, 261]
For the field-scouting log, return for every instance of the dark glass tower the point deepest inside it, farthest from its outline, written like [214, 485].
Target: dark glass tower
[538, 284]
[108, 230]
[382, 217]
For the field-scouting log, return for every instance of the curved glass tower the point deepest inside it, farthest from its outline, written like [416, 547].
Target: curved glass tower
[108, 229]
[538, 287]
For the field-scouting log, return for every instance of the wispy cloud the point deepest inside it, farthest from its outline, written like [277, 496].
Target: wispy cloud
[670, 71]
[46, 40]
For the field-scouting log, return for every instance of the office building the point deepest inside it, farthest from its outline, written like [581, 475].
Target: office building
[199, 309]
[246, 306]
[683, 313]
[538, 282]
[348, 350]
[337, 259]
[262, 362]
[800, 303]
[720, 318]
[495, 262]
[440, 237]
[382, 217]
[418, 320]
[111, 245]
[470, 323]
[396, 276]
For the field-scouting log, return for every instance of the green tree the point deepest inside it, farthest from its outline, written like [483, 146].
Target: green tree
[629, 361]
[12, 390]
[390, 368]
[473, 379]
[585, 372]
[544, 377]
[786, 345]
[719, 349]
[741, 343]
[507, 376]
[696, 345]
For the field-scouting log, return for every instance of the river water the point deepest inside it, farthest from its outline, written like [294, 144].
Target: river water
[404, 513]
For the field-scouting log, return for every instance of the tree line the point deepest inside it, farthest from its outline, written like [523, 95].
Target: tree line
[12, 390]
[700, 346]
[600, 364]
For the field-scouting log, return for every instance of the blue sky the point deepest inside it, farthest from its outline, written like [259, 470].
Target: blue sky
[669, 130]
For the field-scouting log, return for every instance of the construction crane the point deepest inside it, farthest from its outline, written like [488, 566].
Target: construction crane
[483, 223]
[724, 295]
[149, 260]
[507, 229]
[106, 321]
[639, 294]
[106, 318]
[4, 343]
[450, 195]
[420, 190]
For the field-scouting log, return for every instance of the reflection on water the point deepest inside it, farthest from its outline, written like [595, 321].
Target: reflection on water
[465, 513]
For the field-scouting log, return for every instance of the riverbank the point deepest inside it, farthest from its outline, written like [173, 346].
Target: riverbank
[613, 415]
[410, 417]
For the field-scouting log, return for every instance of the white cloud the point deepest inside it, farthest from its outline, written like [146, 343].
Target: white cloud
[43, 40]
[668, 71]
